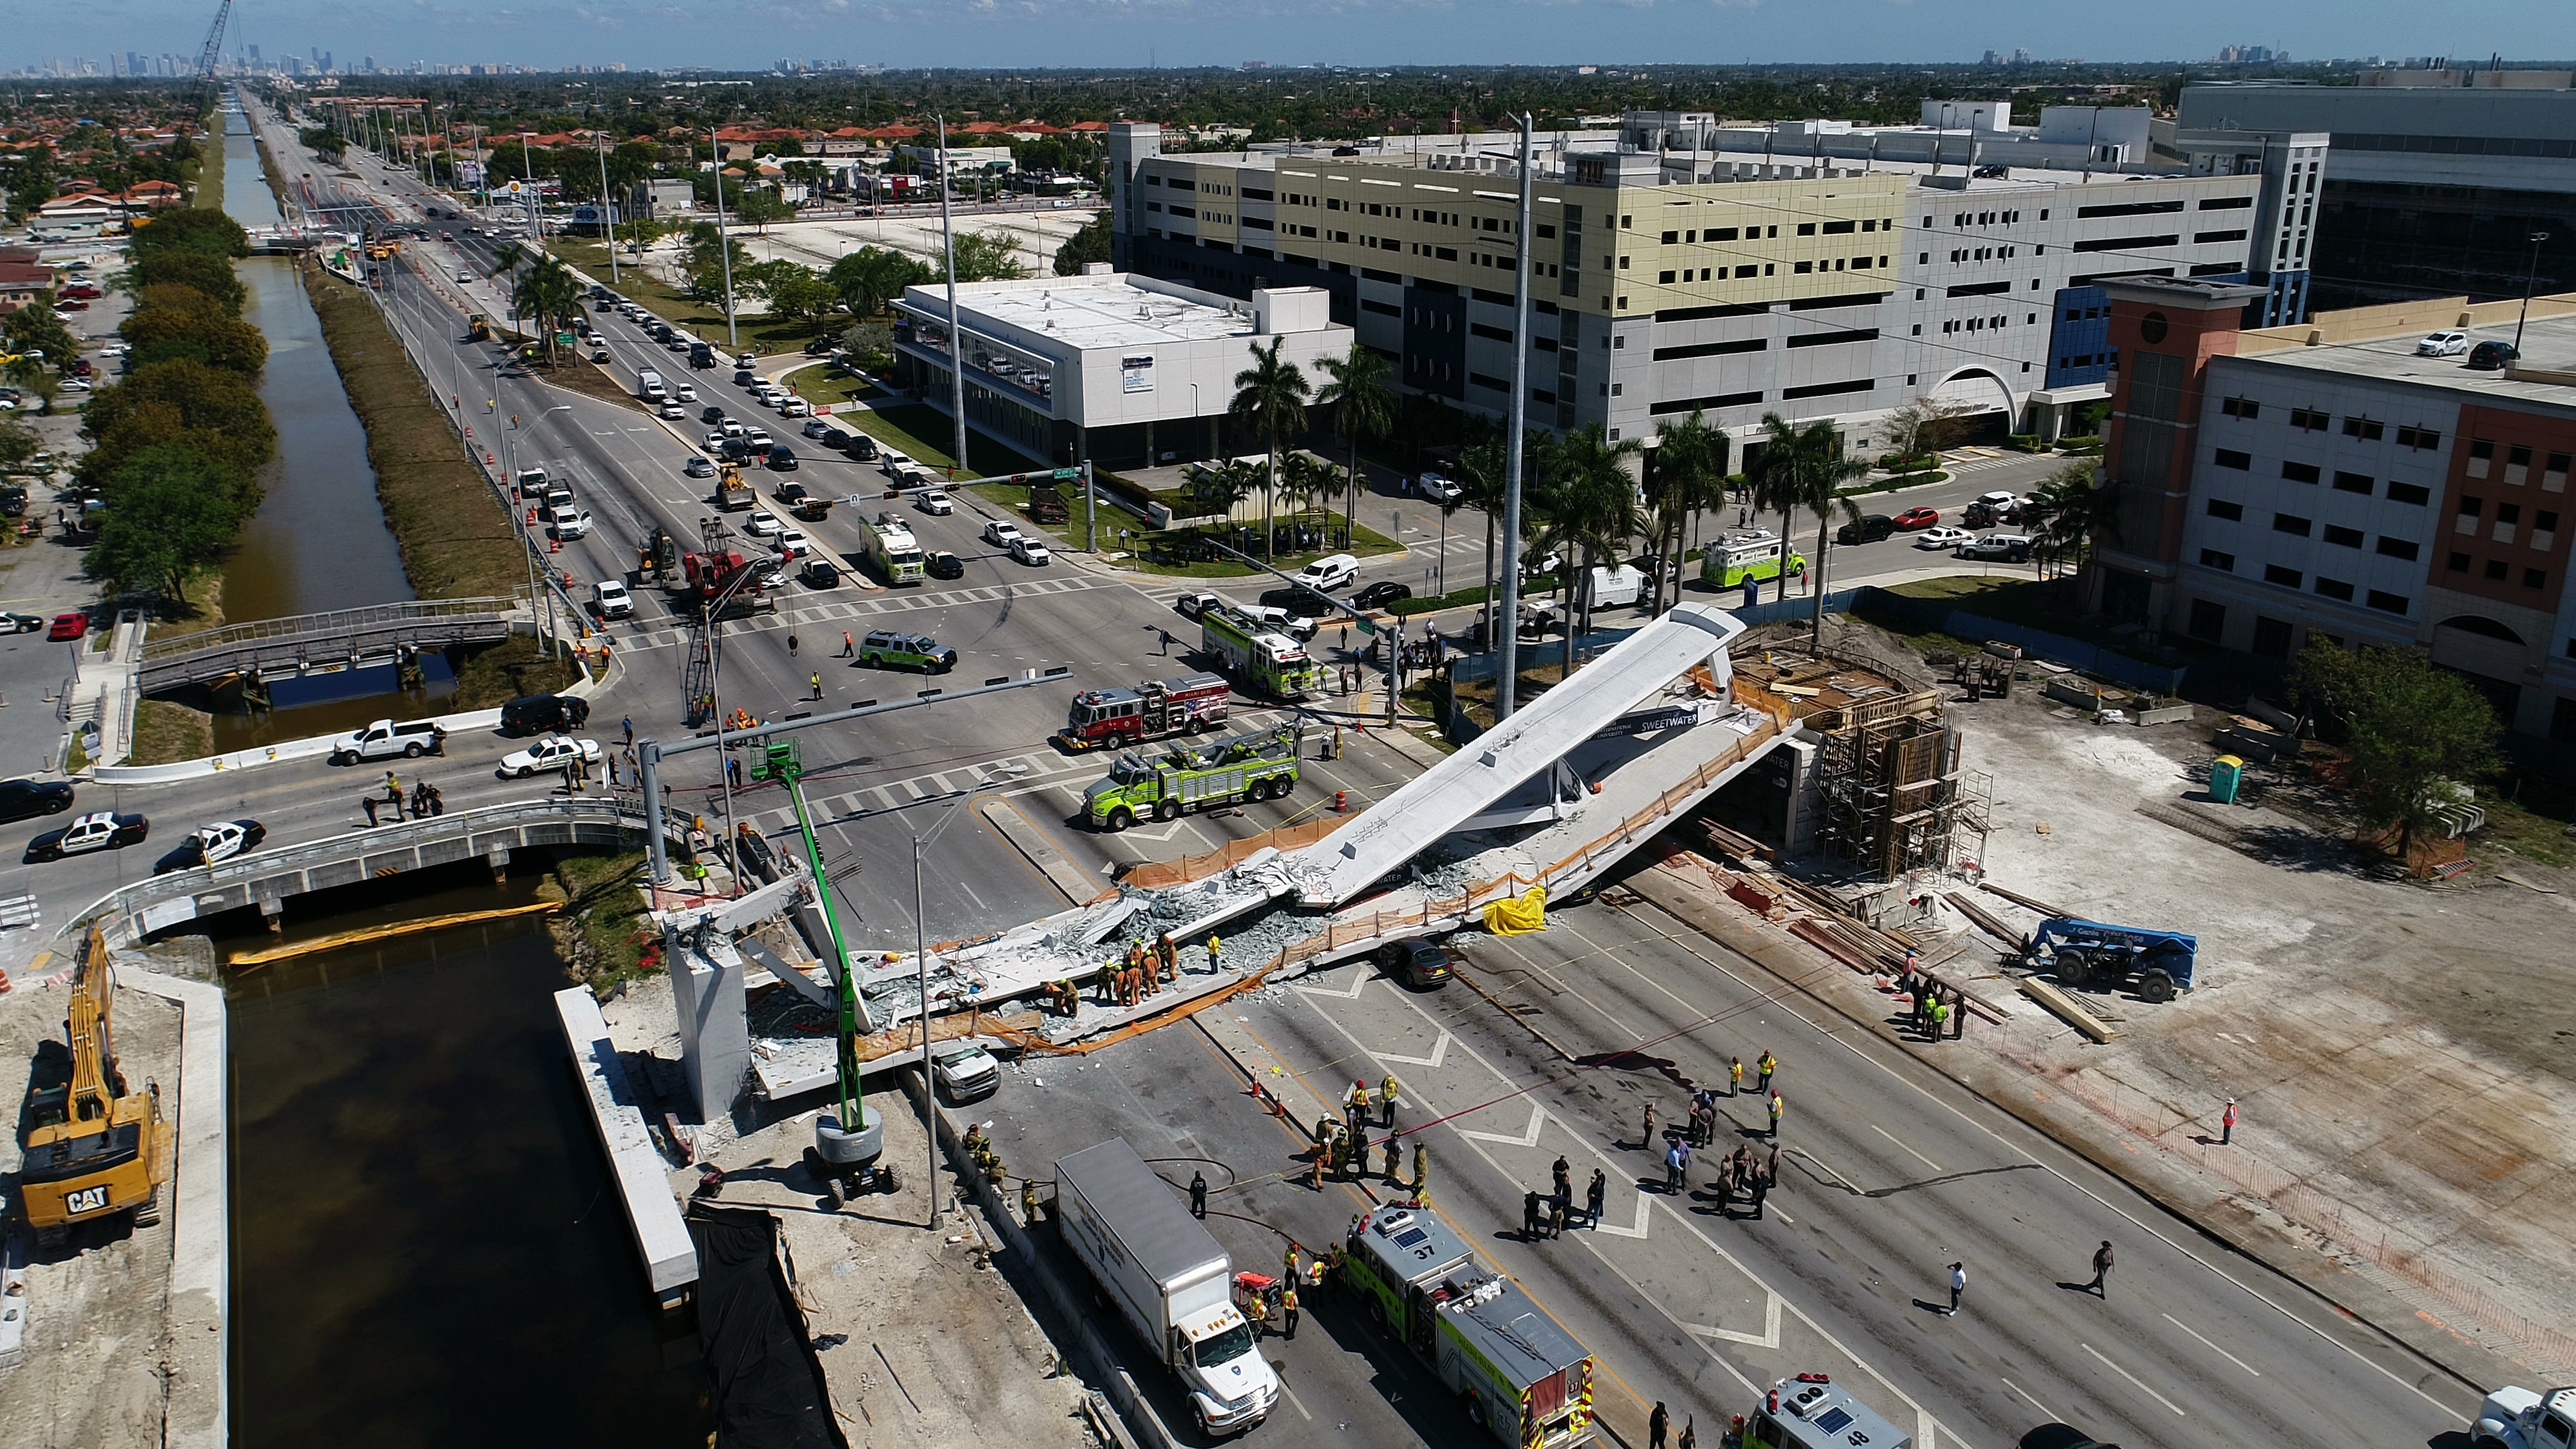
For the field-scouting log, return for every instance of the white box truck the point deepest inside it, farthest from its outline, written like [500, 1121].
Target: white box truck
[1169, 1279]
[648, 385]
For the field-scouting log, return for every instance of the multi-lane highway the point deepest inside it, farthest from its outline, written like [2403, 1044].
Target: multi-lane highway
[1888, 1172]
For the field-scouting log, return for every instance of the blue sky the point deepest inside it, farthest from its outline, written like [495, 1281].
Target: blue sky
[749, 34]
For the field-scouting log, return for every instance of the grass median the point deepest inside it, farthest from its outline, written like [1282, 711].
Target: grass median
[456, 541]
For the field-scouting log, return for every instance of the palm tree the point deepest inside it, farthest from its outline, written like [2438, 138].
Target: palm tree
[1309, 482]
[1363, 411]
[1215, 488]
[2071, 512]
[1689, 477]
[1593, 505]
[1270, 396]
[1804, 470]
[551, 295]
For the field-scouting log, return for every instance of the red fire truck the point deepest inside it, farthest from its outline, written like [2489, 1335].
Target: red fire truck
[1154, 708]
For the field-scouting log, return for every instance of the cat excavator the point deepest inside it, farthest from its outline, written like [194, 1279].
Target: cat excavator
[93, 1146]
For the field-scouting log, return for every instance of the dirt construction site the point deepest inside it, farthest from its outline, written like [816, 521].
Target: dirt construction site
[2397, 1049]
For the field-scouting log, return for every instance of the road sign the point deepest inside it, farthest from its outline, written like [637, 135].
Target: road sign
[1367, 626]
[1067, 475]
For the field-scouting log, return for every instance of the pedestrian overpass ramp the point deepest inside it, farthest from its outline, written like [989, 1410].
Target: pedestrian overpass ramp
[1483, 775]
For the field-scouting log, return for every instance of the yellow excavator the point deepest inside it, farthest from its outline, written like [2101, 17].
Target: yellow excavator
[94, 1148]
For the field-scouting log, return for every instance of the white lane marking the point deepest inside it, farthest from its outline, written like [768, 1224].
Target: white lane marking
[1293, 1401]
[1359, 982]
[1827, 1166]
[2027, 1399]
[2213, 1348]
[1919, 1157]
[2025, 1155]
[1439, 1049]
[1925, 1423]
[1527, 1138]
[1645, 1217]
[1768, 1338]
[2133, 1378]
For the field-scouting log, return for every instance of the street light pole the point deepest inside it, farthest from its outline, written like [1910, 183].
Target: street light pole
[724, 249]
[607, 215]
[956, 325]
[2528, 277]
[921, 963]
[1503, 635]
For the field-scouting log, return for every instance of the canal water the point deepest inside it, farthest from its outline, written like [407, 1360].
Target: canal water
[319, 540]
[428, 1247]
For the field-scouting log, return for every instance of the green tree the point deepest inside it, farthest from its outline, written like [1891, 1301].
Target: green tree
[32, 180]
[18, 443]
[1363, 411]
[803, 297]
[323, 141]
[1088, 244]
[1690, 478]
[201, 230]
[868, 279]
[30, 372]
[1270, 397]
[550, 296]
[37, 329]
[871, 346]
[215, 411]
[1804, 470]
[761, 206]
[706, 260]
[2414, 729]
[988, 256]
[632, 161]
[1216, 487]
[2075, 509]
[172, 514]
[211, 276]
[226, 342]
[1591, 505]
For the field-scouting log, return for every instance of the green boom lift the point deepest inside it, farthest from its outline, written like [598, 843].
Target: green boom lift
[847, 1142]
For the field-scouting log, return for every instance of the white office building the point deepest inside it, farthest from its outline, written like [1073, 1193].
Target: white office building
[1110, 367]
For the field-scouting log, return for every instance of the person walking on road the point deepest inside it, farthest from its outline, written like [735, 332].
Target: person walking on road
[1776, 1107]
[1735, 1076]
[371, 802]
[2101, 1270]
[1529, 1217]
[2227, 1124]
[1288, 1302]
[1958, 1286]
[1761, 1190]
[1676, 1165]
[1771, 1167]
[1198, 1194]
[1690, 1433]
[817, 682]
[1386, 1098]
[1592, 1198]
[1646, 1134]
[1212, 954]
[1767, 1065]
[1658, 1424]
[849, 646]
[733, 770]
[629, 722]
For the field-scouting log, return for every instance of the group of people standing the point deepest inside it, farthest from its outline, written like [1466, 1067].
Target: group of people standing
[423, 801]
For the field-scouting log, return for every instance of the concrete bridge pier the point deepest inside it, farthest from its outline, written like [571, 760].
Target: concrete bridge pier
[499, 858]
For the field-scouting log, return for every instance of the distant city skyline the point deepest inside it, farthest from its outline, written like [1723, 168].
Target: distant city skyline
[561, 34]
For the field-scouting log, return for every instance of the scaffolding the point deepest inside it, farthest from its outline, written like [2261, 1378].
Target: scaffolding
[1892, 792]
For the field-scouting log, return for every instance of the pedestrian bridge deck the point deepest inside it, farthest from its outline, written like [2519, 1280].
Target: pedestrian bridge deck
[267, 878]
[327, 643]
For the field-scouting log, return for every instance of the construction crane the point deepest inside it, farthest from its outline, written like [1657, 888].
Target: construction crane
[93, 1147]
[848, 1139]
[214, 46]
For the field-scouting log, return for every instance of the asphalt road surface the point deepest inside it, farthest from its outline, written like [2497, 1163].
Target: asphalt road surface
[1888, 1171]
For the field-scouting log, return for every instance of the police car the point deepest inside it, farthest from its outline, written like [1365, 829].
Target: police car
[889, 650]
[555, 752]
[207, 844]
[98, 830]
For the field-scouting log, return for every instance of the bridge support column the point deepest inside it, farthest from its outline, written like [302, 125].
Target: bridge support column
[499, 857]
[648, 760]
[272, 911]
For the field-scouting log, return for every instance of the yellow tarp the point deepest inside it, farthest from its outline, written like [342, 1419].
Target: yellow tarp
[1517, 916]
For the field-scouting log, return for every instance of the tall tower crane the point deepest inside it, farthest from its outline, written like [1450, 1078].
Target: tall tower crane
[214, 46]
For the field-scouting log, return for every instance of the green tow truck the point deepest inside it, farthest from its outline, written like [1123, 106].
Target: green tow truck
[1261, 765]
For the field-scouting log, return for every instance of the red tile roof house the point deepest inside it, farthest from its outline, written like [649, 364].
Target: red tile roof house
[21, 284]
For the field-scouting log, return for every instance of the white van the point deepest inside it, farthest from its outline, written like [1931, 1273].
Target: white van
[1332, 571]
[1618, 588]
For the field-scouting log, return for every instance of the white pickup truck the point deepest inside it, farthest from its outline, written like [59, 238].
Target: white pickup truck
[412, 738]
[2522, 1419]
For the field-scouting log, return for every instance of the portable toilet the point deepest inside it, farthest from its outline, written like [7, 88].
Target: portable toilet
[2226, 775]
